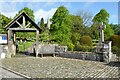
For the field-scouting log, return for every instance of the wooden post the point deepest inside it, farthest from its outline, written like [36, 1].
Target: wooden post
[14, 37]
[23, 22]
[37, 42]
[14, 45]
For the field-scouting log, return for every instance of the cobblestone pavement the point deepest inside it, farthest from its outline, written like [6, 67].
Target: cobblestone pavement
[7, 74]
[57, 67]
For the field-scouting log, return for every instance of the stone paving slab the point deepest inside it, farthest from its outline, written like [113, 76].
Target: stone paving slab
[57, 67]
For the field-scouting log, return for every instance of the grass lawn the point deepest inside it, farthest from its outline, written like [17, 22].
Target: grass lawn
[24, 46]
[57, 67]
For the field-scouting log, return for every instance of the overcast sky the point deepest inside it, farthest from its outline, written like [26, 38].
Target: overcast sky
[47, 9]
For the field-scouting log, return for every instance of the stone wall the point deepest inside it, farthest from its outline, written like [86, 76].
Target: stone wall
[83, 56]
[3, 49]
[47, 48]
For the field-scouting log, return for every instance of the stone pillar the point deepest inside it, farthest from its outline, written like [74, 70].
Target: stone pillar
[37, 42]
[110, 50]
[11, 46]
[8, 55]
[106, 57]
[107, 54]
[102, 36]
[14, 45]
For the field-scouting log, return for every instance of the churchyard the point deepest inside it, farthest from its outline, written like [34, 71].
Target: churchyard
[63, 47]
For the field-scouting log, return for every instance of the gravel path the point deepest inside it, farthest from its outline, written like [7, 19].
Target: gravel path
[57, 67]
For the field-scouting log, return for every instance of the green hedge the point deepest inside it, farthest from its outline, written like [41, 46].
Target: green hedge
[83, 48]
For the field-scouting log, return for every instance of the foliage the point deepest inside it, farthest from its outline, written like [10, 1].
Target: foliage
[28, 11]
[86, 17]
[27, 35]
[42, 25]
[102, 16]
[70, 46]
[83, 48]
[24, 45]
[44, 36]
[116, 50]
[3, 22]
[93, 32]
[115, 40]
[60, 29]
[76, 29]
[75, 38]
[70, 30]
[108, 32]
[77, 24]
[59, 16]
[116, 28]
[86, 40]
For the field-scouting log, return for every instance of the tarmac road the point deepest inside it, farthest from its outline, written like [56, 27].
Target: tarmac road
[7, 74]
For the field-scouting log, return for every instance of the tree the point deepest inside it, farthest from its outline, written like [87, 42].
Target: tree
[115, 40]
[61, 27]
[58, 23]
[108, 32]
[77, 29]
[86, 16]
[3, 22]
[77, 24]
[42, 25]
[28, 11]
[116, 28]
[44, 37]
[93, 32]
[103, 16]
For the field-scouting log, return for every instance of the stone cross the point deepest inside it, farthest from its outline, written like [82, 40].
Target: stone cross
[101, 28]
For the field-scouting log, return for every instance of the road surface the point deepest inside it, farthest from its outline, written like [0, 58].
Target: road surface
[7, 74]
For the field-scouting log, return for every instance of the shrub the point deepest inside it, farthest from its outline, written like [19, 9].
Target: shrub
[83, 48]
[115, 40]
[86, 40]
[116, 50]
[70, 46]
[75, 37]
